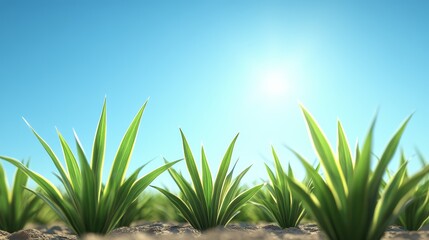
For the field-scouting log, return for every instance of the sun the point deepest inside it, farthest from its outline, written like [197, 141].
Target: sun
[274, 83]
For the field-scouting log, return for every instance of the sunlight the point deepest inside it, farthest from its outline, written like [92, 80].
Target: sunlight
[274, 83]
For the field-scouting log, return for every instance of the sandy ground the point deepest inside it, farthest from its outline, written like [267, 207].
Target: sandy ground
[152, 231]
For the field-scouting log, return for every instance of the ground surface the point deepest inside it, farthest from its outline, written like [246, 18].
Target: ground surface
[153, 231]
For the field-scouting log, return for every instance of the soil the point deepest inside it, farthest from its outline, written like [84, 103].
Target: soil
[159, 230]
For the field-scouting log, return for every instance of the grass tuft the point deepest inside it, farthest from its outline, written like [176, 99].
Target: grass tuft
[347, 203]
[416, 212]
[88, 205]
[17, 205]
[279, 202]
[206, 204]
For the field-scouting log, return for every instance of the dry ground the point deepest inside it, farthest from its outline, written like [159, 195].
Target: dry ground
[153, 231]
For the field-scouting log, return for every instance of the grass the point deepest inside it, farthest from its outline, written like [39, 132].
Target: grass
[17, 205]
[279, 202]
[416, 212]
[253, 212]
[354, 198]
[205, 204]
[88, 205]
[45, 214]
[153, 207]
[347, 204]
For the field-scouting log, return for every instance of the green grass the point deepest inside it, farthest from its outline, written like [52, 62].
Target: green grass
[45, 214]
[253, 212]
[346, 203]
[17, 205]
[205, 204]
[353, 198]
[279, 202]
[416, 212]
[88, 205]
[152, 207]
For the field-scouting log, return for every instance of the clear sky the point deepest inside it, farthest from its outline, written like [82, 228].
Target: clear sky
[214, 69]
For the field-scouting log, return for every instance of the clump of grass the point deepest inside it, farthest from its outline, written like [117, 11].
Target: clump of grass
[88, 205]
[253, 212]
[347, 204]
[153, 207]
[205, 204]
[45, 215]
[416, 212]
[160, 208]
[17, 206]
[279, 202]
[134, 210]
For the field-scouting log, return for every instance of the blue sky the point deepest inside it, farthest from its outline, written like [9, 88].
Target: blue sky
[213, 69]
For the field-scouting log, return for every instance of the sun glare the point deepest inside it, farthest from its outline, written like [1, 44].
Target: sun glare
[274, 83]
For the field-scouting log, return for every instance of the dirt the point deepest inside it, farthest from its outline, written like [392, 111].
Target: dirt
[159, 230]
